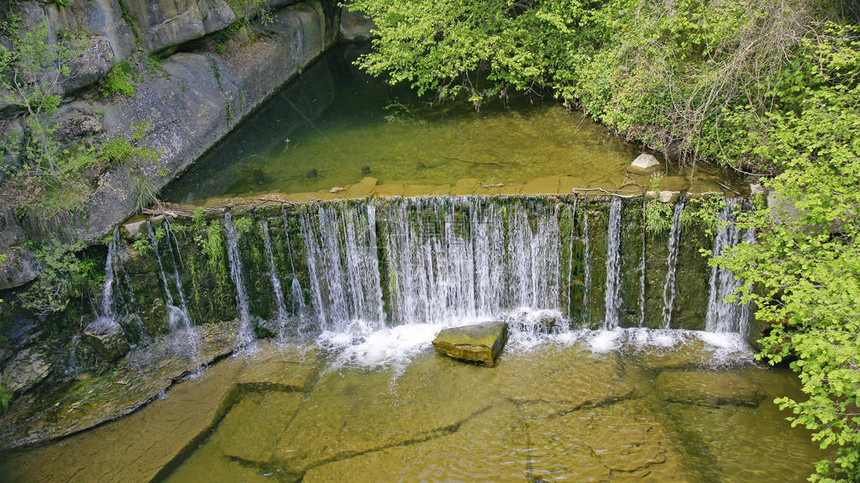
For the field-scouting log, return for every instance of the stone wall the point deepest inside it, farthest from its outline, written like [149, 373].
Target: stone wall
[199, 91]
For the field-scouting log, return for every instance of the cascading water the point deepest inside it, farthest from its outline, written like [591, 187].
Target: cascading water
[587, 268]
[466, 258]
[642, 260]
[273, 276]
[296, 291]
[671, 265]
[612, 296]
[341, 256]
[725, 316]
[246, 331]
[400, 268]
[107, 313]
[177, 316]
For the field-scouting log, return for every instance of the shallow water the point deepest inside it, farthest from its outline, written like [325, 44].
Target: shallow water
[336, 126]
[660, 406]
[629, 404]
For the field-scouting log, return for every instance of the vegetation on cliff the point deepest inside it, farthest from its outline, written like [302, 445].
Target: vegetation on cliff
[767, 88]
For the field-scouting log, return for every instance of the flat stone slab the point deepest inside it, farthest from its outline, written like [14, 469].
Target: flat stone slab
[707, 388]
[138, 379]
[288, 367]
[135, 448]
[481, 343]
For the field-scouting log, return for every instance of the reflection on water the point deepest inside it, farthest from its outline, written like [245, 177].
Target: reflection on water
[335, 126]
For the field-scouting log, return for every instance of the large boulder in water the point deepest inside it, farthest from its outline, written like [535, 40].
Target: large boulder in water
[107, 338]
[480, 343]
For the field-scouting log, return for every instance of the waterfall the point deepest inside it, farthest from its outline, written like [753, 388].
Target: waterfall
[671, 263]
[107, 313]
[342, 260]
[642, 270]
[296, 292]
[612, 297]
[587, 267]
[725, 316]
[469, 257]
[273, 275]
[246, 331]
[178, 317]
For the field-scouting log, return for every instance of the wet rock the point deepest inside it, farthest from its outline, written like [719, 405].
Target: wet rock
[481, 343]
[476, 449]
[707, 388]
[286, 367]
[644, 163]
[26, 370]
[252, 428]
[138, 379]
[107, 338]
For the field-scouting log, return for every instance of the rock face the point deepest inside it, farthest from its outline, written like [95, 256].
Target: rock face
[107, 338]
[166, 23]
[26, 370]
[195, 98]
[481, 343]
[644, 163]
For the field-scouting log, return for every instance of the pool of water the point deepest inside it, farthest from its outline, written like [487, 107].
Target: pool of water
[632, 404]
[336, 126]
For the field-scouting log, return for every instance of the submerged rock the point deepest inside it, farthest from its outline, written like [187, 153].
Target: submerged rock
[481, 343]
[107, 338]
[26, 370]
[707, 388]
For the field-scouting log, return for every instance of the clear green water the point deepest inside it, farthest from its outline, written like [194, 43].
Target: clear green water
[337, 126]
[554, 412]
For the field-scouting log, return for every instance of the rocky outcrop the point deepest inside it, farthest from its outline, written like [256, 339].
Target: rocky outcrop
[190, 102]
[26, 370]
[480, 343]
[166, 23]
[107, 338]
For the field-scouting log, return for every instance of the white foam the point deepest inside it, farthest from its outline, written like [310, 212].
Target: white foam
[606, 340]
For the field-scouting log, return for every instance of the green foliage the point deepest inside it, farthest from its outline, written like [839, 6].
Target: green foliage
[142, 246]
[806, 264]
[245, 10]
[244, 224]
[144, 190]
[63, 276]
[212, 242]
[658, 216]
[118, 81]
[703, 213]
